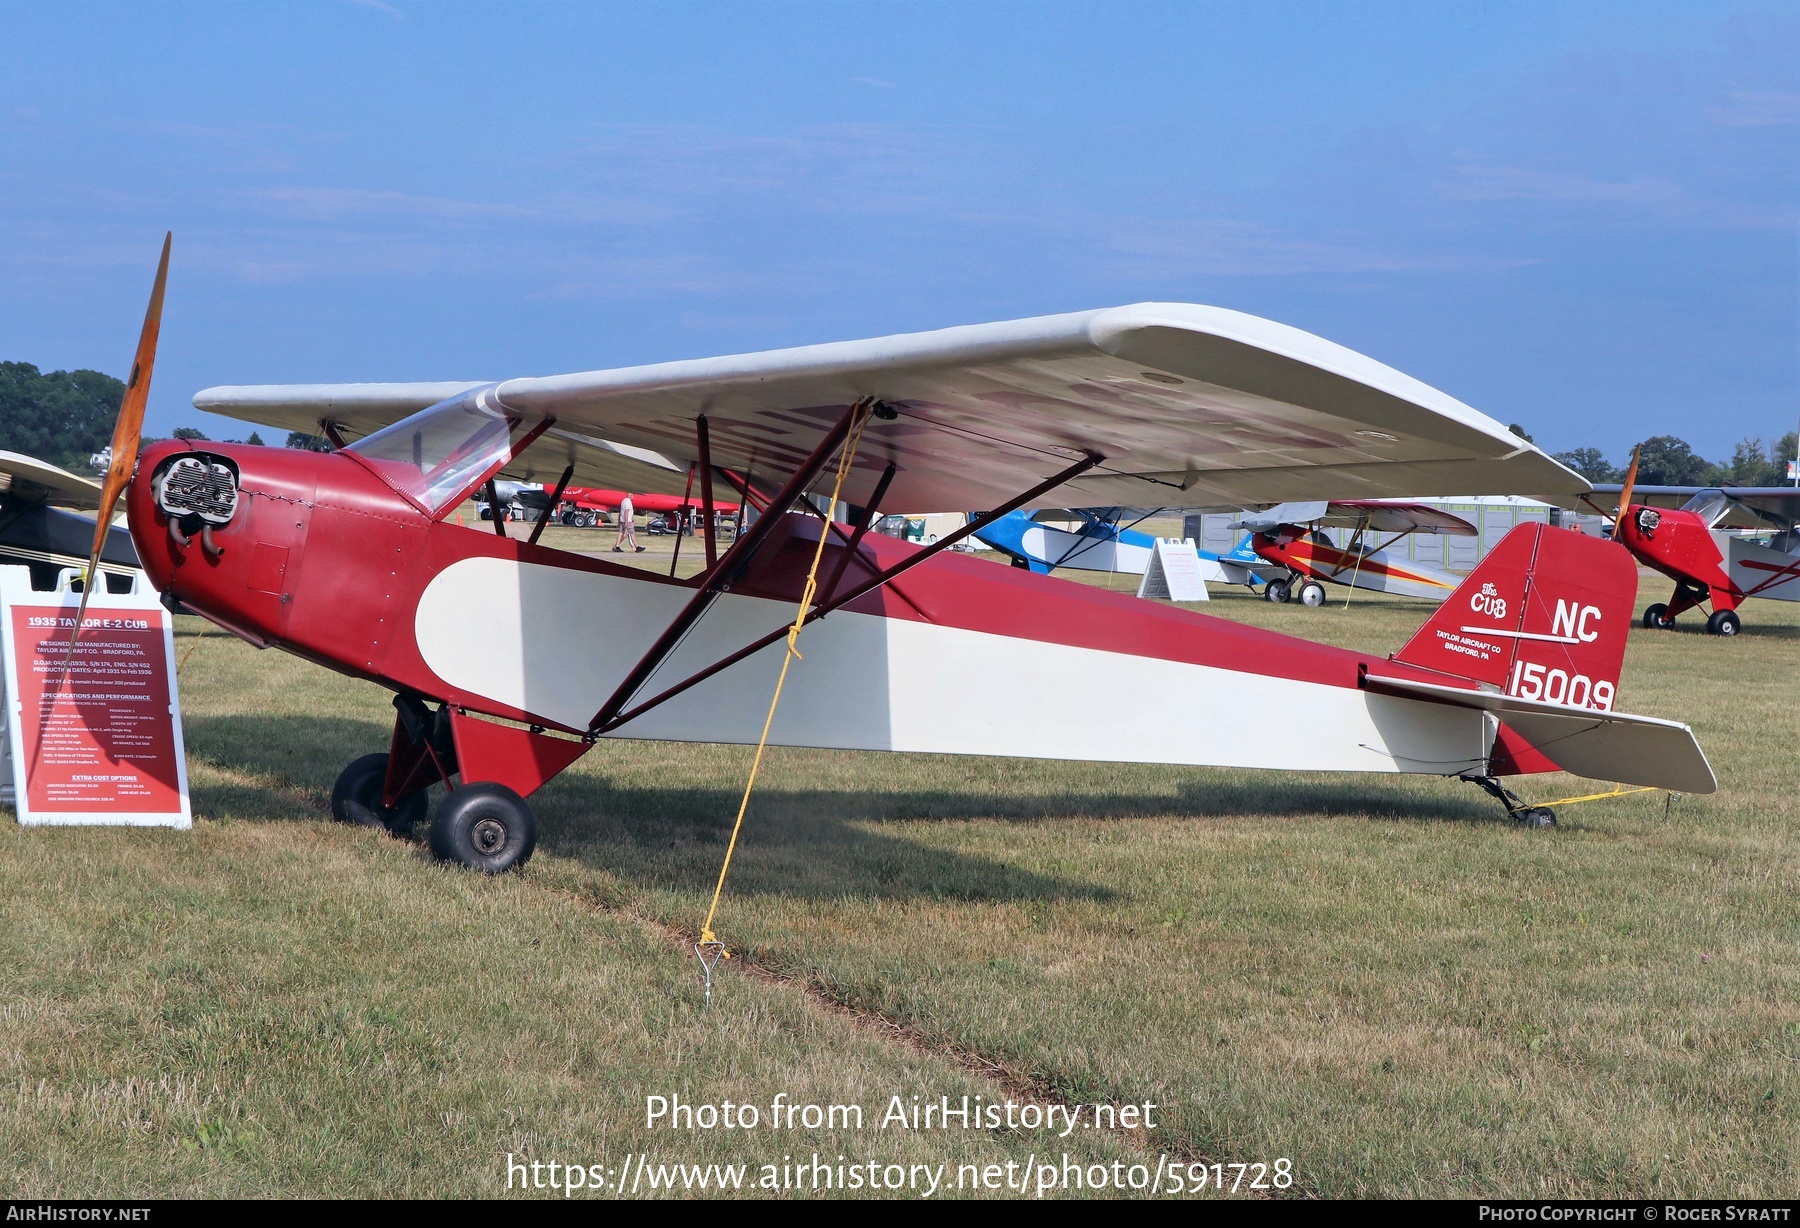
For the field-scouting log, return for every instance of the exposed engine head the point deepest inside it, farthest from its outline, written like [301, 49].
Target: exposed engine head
[197, 484]
[1647, 519]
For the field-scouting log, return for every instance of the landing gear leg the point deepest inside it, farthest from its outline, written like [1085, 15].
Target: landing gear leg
[1516, 809]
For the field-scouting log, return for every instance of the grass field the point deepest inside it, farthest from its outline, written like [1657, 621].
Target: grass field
[1376, 978]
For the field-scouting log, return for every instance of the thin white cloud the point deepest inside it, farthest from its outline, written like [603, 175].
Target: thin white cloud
[1757, 110]
[334, 204]
[1472, 180]
[1475, 180]
[705, 322]
[1140, 248]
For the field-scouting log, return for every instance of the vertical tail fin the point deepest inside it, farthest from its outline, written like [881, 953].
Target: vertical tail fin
[1544, 617]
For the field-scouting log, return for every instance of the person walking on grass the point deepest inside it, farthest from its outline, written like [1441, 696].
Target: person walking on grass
[627, 528]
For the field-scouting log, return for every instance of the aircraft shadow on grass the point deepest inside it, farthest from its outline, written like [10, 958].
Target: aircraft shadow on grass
[805, 843]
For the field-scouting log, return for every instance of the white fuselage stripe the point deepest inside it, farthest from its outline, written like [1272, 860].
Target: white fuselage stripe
[555, 642]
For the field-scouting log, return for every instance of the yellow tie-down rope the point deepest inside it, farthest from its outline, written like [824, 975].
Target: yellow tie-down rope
[709, 949]
[1616, 791]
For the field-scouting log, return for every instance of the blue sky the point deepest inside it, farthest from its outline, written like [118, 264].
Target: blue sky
[1581, 217]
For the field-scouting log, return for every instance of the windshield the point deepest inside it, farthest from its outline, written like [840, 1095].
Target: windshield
[1709, 505]
[439, 453]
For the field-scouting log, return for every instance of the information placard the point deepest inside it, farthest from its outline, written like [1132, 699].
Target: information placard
[103, 744]
[1173, 572]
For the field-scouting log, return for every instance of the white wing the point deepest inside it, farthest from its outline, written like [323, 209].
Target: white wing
[1188, 405]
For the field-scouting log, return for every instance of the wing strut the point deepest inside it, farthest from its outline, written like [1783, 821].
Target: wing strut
[706, 494]
[556, 495]
[729, 566]
[607, 721]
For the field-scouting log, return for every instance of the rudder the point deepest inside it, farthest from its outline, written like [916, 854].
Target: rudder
[1543, 617]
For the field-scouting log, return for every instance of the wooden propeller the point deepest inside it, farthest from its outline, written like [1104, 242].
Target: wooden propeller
[1625, 492]
[126, 433]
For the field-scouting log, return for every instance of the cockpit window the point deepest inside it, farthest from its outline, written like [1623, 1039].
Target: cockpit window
[1709, 505]
[439, 454]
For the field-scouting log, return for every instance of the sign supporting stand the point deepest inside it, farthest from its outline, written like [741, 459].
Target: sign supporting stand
[1173, 572]
[105, 746]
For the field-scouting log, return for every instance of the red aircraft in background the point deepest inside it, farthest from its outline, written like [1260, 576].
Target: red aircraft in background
[1291, 537]
[1682, 531]
[581, 505]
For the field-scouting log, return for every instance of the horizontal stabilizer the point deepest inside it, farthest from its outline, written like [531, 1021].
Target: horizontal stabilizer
[1615, 746]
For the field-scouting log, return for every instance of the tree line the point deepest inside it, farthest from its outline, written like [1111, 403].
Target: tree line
[1664, 460]
[66, 417]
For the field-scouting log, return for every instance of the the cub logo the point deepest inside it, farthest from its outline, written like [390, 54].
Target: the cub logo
[1488, 601]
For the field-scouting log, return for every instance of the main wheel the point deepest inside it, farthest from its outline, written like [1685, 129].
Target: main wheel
[356, 798]
[1312, 593]
[1724, 622]
[486, 827]
[1277, 591]
[1656, 617]
[1537, 816]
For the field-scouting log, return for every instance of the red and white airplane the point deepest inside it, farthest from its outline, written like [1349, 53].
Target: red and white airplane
[1289, 537]
[1683, 532]
[350, 559]
[581, 505]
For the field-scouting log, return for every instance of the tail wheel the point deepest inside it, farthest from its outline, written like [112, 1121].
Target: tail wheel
[1312, 594]
[1657, 617]
[1277, 591]
[486, 827]
[1724, 622]
[356, 798]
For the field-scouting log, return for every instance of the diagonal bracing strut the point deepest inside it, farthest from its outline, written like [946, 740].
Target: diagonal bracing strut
[742, 549]
[834, 602]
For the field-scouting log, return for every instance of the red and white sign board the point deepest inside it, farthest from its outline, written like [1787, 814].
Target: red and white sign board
[102, 745]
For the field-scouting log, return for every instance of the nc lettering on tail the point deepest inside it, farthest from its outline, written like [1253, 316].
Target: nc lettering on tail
[1544, 617]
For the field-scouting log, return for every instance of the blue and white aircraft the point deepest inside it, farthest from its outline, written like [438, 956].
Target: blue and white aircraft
[1102, 544]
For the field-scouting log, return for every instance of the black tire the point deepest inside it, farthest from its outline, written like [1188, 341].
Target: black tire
[1657, 618]
[1725, 623]
[1277, 591]
[356, 798]
[1537, 816]
[1312, 594]
[484, 826]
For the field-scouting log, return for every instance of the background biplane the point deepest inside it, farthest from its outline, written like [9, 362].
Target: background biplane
[351, 559]
[1291, 538]
[1685, 532]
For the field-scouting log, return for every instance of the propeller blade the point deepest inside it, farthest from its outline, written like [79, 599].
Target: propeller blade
[1630, 481]
[126, 433]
